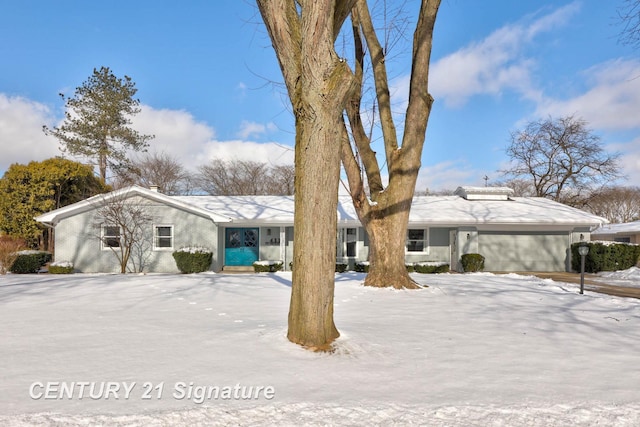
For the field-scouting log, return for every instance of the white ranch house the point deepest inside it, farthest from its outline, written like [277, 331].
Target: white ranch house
[627, 232]
[512, 233]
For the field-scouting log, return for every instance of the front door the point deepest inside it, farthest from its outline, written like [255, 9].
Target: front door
[241, 246]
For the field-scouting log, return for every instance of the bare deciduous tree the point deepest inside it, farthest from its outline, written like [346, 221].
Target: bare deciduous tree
[321, 88]
[629, 14]
[562, 159]
[281, 179]
[617, 204]
[158, 169]
[124, 225]
[240, 177]
[318, 83]
[386, 219]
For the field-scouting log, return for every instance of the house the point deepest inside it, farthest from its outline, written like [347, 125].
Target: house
[628, 232]
[512, 233]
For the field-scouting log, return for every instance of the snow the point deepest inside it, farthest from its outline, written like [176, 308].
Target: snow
[268, 262]
[629, 278]
[432, 210]
[471, 349]
[195, 250]
[66, 264]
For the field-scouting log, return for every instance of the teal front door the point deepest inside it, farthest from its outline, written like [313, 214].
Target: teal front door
[241, 246]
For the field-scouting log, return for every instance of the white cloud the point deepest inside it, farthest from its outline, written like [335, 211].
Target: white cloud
[177, 133]
[630, 160]
[21, 136]
[447, 175]
[612, 100]
[249, 129]
[494, 64]
[193, 143]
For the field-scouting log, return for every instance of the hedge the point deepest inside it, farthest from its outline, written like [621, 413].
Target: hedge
[472, 263]
[431, 267]
[605, 256]
[60, 268]
[427, 267]
[193, 260]
[267, 266]
[30, 261]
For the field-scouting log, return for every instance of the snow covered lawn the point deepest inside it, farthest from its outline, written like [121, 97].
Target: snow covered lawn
[474, 349]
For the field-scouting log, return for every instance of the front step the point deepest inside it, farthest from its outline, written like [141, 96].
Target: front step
[238, 269]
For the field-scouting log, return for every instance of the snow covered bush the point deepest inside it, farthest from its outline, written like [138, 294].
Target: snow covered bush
[62, 267]
[30, 261]
[267, 266]
[431, 267]
[194, 259]
[472, 263]
[362, 267]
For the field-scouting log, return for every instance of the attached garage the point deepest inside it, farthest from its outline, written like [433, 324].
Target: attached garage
[524, 251]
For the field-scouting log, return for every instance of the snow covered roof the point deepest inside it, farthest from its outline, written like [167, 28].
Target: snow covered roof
[54, 216]
[428, 210]
[433, 210]
[614, 229]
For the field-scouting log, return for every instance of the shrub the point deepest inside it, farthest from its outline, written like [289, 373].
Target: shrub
[472, 263]
[30, 261]
[193, 259]
[9, 247]
[605, 256]
[362, 267]
[411, 267]
[431, 267]
[63, 267]
[267, 266]
[341, 267]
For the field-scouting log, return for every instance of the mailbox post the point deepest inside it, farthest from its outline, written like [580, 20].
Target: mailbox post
[583, 250]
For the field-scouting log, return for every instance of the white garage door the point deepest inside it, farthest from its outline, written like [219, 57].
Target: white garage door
[524, 251]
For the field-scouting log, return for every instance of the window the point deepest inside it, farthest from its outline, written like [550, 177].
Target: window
[347, 242]
[163, 237]
[110, 236]
[416, 240]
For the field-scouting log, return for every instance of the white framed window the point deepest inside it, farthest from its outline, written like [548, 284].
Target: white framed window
[347, 243]
[417, 240]
[110, 236]
[162, 237]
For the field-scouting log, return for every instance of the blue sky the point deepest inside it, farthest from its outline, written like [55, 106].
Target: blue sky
[210, 85]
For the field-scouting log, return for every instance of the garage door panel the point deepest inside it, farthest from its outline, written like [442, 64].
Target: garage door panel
[524, 252]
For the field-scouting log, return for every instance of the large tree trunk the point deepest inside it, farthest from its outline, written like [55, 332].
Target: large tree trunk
[386, 219]
[386, 226]
[318, 83]
[314, 255]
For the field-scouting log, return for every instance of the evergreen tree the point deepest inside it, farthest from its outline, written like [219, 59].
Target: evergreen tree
[97, 121]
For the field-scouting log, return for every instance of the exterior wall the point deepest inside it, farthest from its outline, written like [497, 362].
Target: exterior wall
[270, 244]
[439, 249]
[78, 240]
[633, 238]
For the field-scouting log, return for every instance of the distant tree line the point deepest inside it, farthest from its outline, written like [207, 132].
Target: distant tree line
[38, 187]
[216, 178]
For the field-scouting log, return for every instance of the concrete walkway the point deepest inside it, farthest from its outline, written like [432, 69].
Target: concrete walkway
[590, 284]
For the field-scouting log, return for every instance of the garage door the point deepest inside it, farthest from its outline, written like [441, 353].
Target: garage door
[524, 251]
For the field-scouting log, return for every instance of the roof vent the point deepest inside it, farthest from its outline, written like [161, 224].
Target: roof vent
[484, 193]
